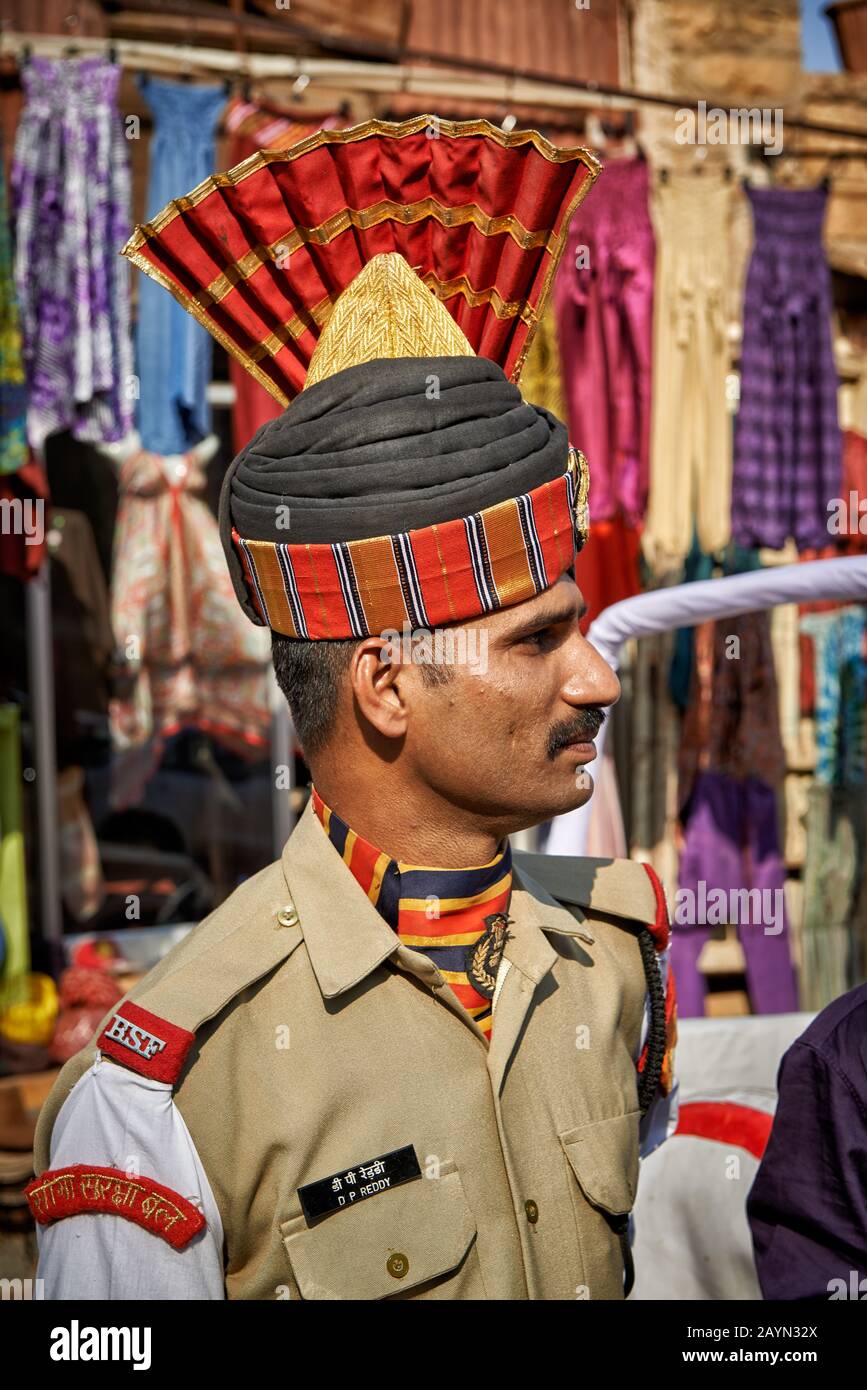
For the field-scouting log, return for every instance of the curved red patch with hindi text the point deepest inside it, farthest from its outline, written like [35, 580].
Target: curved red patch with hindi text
[87, 1187]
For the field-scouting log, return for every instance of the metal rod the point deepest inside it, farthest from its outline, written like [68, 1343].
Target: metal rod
[40, 659]
[534, 89]
[282, 757]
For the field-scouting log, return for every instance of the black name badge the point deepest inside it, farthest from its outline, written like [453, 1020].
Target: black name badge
[363, 1180]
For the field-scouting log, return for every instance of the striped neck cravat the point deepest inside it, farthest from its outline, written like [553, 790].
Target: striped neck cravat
[457, 917]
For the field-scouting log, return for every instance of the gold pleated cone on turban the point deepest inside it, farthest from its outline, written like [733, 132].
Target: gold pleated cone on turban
[386, 312]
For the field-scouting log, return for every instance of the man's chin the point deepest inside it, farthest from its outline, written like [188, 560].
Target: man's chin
[578, 795]
[570, 800]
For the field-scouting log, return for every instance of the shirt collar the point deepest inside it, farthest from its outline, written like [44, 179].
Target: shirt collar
[347, 938]
[402, 892]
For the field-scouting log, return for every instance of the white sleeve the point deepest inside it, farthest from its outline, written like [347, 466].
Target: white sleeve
[116, 1118]
[660, 1120]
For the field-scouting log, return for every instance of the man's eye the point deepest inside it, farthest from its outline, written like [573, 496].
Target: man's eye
[540, 637]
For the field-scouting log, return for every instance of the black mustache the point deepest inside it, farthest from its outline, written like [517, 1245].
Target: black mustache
[583, 730]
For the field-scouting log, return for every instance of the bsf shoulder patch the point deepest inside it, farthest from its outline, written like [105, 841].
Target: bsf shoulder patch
[84, 1187]
[150, 1045]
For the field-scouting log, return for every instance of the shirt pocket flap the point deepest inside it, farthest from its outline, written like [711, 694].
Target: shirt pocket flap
[385, 1244]
[604, 1158]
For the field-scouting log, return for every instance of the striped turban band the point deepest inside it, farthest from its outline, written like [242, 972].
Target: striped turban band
[410, 490]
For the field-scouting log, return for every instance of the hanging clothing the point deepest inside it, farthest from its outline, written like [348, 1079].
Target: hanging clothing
[731, 765]
[652, 786]
[81, 629]
[732, 845]
[191, 655]
[690, 444]
[732, 721]
[607, 567]
[785, 635]
[457, 917]
[262, 125]
[542, 374]
[852, 401]
[841, 687]
[805, 640]
[172, 350]
[853, 539]
[603, 297]
[81, 878]
[697, 567]
[71, 199]
[834, 932]
[13, 392]
[788, 446]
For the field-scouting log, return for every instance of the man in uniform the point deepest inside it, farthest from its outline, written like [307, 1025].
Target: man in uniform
[402, 1061]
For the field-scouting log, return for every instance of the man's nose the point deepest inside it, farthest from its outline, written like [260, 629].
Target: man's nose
[591, 681]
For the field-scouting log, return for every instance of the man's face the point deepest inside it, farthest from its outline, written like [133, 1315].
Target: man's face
[510, 735]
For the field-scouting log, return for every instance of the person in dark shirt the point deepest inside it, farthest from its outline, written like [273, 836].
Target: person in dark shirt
[807, 1207]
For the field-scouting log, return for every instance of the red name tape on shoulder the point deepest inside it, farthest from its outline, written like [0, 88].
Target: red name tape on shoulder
[82, 1187]
[148, 1044]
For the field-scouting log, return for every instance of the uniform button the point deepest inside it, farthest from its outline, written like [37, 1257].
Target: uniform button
[397, 1265]
[287, 916]
[532, 1212]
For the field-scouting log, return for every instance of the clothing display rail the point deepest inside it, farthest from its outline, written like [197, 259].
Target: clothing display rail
[492, 83]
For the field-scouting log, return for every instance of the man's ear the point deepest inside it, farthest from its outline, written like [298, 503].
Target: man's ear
[378, 677]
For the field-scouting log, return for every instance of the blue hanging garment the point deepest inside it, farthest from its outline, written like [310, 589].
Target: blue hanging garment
[173, 352]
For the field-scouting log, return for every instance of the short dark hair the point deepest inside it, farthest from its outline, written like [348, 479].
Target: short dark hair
[310, 675]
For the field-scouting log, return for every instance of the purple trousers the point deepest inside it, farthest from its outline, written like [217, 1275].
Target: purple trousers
[732, 843]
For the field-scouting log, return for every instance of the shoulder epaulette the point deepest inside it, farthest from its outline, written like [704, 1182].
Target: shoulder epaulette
[633, 892]
[616, 887]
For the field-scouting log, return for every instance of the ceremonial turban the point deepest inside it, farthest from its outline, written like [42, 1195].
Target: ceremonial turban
[386, 281]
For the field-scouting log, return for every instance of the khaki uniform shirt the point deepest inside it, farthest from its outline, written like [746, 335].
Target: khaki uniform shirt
[322, 1043]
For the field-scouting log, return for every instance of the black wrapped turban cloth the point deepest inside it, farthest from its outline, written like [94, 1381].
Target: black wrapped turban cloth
[387, 447]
